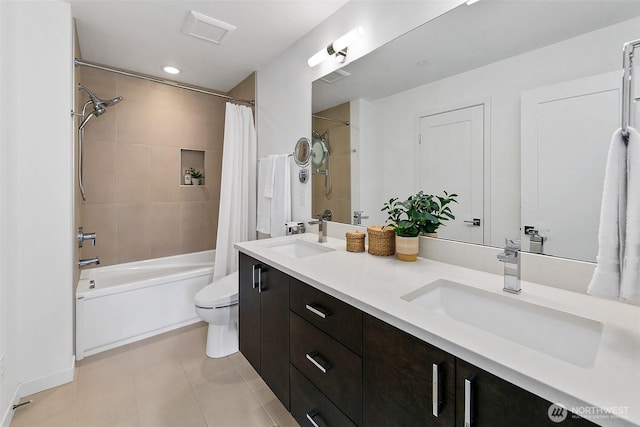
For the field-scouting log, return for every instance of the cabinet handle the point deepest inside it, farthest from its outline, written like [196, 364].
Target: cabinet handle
[315, 419]
[467, 401]
[435, 390]
[253, 276]
[319, 361]
[318, 310]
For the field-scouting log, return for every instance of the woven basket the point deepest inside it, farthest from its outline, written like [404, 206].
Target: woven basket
[382, 240]
[355, 241]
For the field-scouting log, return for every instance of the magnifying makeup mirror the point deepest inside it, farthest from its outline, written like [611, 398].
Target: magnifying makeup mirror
[302, 152]
[319, 151]
[302, 156]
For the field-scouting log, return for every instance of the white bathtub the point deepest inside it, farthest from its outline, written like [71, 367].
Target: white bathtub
[120, 304]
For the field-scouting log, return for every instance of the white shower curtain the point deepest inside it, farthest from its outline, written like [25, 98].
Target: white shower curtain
[237, 213]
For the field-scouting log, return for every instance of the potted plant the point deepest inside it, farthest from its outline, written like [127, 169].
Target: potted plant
[197, 177]
[419, 214]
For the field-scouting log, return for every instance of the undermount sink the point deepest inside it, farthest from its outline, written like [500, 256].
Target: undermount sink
[565, 336]
[300, 248]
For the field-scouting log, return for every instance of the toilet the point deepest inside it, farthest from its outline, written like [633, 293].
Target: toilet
[217, 304]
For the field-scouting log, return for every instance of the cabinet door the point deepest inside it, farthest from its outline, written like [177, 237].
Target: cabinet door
[486, 400]
[249, 310]
[399, 377]
[274, 331]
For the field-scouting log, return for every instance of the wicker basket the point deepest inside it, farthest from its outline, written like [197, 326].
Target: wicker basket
[382, 240]
[355, 241]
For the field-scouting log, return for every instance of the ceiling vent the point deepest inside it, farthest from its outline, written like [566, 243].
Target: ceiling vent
[334, 76]
[205, 27]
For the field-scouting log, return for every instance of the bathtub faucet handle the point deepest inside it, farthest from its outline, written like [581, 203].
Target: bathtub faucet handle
[86, 236]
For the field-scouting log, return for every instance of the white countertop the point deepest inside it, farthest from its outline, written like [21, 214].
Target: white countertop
[375, 285]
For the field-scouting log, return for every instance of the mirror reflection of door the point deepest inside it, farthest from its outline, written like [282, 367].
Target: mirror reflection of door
[331, 181]
[451, 159]
[566, 131]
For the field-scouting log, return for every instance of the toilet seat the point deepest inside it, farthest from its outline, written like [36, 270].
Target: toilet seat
[219, 294]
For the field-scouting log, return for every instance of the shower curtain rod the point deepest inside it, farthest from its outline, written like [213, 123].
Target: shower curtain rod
[77, 62]
[344, 122]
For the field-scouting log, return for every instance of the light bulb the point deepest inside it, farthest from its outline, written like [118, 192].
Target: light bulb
[318, 57]
[171, 70]
[347, 39]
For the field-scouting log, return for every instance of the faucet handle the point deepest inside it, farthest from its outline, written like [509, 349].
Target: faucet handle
[513, 244]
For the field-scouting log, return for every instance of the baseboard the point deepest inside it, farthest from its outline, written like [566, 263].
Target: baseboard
[7, 416]
[44, 383]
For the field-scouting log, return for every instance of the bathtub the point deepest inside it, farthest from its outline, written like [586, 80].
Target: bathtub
[120, 304]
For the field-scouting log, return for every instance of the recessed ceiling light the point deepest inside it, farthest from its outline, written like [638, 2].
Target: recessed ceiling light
[171, 70]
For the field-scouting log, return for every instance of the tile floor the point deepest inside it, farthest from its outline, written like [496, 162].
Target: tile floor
[162, 381]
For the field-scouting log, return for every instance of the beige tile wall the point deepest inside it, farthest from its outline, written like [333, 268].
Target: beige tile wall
[132, 170]
[339, 141]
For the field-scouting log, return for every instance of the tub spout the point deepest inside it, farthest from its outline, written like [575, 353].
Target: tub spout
[85, 262]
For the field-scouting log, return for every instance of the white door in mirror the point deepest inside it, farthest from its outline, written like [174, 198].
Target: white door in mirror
[451, 159]
[566, 130]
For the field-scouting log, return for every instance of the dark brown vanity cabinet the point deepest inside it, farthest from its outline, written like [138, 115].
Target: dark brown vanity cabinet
[405, 380]
[482, 399]
[333, 365]
[264, 323]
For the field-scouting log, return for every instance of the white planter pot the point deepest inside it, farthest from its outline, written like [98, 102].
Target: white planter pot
[407, 248]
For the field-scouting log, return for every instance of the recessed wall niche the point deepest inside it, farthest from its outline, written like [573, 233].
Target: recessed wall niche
[191, 159]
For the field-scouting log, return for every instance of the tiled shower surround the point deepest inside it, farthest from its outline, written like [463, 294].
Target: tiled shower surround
[132, 169]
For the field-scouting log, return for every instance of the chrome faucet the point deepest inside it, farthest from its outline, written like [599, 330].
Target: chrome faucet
[85, 262]
[358, 217]
[82, 236]
[511, 259]
[322, 228]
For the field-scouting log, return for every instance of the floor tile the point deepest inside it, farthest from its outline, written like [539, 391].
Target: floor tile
[163, 381]
[274, 408]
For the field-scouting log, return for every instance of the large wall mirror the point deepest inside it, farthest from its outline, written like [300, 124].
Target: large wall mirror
[510, 104]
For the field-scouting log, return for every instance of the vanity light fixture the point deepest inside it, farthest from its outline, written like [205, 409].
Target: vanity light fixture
[171, 70]
[337, 48]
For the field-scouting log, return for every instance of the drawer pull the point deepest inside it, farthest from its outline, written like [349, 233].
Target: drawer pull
[253, 276]
[435, 390]
[467, 401]
[319, 361]
[315, 419]
[318, 310]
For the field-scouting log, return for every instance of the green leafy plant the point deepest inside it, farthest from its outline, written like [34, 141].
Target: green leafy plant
[195, 174]
[420, 213]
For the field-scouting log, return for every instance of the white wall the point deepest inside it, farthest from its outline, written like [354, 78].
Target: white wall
[391, 126]
[36, 194]
[284, 85]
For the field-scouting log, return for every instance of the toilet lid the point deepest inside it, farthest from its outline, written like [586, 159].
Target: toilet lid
[220, 292]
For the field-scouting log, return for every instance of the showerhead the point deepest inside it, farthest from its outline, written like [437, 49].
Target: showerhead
[99, 105]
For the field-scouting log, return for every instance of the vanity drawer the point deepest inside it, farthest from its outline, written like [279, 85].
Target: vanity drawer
[308, 402]
[338, 319]
[334, 369]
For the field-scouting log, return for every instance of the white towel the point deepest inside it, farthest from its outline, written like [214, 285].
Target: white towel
[265, 194]
[270, 175]
[281, 201]
[630, 284]
[606, 277]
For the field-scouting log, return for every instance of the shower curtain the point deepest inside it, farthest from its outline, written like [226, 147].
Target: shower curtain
[237, 213]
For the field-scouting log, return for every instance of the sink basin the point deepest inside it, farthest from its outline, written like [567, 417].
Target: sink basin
[300, 249]
[571, 338]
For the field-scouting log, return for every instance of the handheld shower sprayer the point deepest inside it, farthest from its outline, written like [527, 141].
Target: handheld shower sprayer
[99, 108]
